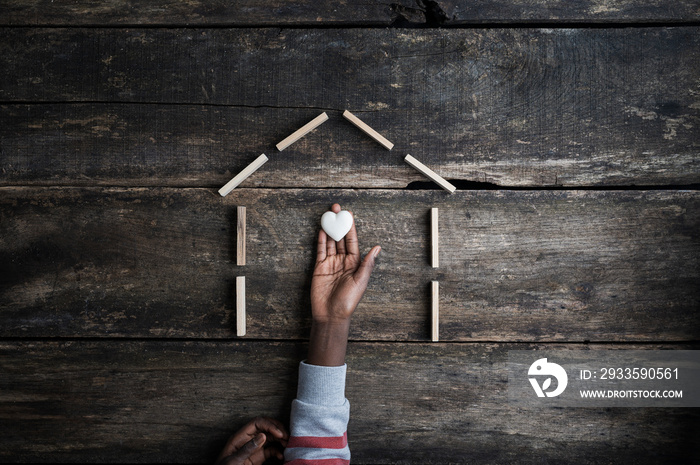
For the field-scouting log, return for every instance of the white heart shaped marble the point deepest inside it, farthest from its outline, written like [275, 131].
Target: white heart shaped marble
[336, 225]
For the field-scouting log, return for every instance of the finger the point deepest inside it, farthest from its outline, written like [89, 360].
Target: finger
[340, 246]
[351, 244]
[321, 246]
[331, 244]
[280, 425]
[330, 247]
[247, 451]
[365, 270]
[234, 442]
[252, 428]
[273, 452]
[272, 426]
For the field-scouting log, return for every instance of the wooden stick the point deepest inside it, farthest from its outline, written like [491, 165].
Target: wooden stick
[436, 311]
[368, 130]
[432, 175]
[302, 131]
[240, 177]
[240, 305]
[240, 233]
[434, 235]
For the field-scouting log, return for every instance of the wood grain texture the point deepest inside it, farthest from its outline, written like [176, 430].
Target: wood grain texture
[210, 13]
[516, 265]
[571, 107]
[161, 401]
[310, 13]
[118, 305]
[454, 12]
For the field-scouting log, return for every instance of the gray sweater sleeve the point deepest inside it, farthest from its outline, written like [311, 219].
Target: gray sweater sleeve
[319, 420]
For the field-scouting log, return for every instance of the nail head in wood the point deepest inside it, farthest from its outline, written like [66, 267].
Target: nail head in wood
[240, 305]
[436, 310]
[434, 236]
[430, 174]
[240, 236]
[302, 131]
[368, 130]
[243, 175]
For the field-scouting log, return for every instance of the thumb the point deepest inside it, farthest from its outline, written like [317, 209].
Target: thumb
[248, 449]
[365, 270]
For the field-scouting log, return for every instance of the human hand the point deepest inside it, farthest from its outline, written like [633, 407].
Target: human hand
[340, 277]
[246, 447]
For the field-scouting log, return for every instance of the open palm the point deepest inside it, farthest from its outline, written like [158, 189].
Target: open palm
[340, 276]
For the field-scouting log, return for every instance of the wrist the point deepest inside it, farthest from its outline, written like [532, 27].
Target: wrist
[328, 342]
[331, 322]
[329, 332]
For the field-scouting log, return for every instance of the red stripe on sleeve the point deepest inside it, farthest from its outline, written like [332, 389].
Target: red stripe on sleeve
[319, 462]
[319, 442]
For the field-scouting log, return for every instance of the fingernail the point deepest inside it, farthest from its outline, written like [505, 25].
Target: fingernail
[376, 253]
[257, 440]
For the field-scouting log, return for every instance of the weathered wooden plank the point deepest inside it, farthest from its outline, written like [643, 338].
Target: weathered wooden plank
[161, 401]
[265, 66]
[453, 12]
[515, 265]
[210, 13]
[310, 13]
[204, 146]
[575, 107]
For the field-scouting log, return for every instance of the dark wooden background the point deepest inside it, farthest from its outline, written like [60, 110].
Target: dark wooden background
[572, 130]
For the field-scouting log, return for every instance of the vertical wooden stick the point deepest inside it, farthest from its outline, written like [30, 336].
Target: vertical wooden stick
[240, 232]
[434, 236]
[240, 305]
[436, 311]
